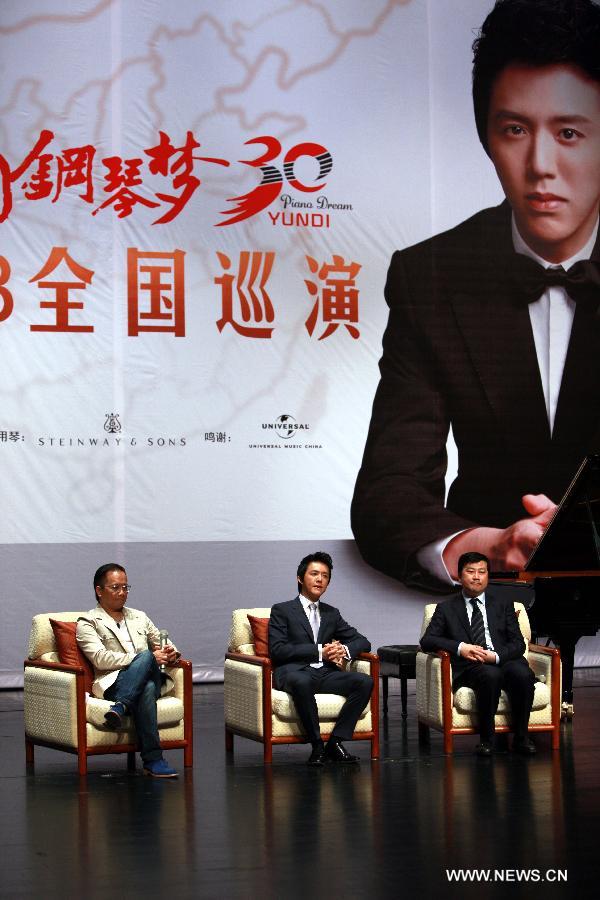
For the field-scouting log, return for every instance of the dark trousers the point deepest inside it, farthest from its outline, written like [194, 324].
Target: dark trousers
[305, 683]
[487, 681]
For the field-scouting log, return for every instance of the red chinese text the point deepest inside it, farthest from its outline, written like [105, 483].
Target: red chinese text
[336, 296]
[155, 292]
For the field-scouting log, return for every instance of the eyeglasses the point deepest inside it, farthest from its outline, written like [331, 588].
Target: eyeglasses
[117, 588]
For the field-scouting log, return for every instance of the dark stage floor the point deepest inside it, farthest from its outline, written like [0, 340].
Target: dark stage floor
[231, 830]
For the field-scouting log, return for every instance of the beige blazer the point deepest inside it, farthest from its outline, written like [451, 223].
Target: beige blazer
[101, 640]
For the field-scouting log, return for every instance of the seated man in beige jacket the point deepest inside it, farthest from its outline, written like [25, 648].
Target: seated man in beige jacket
[125, 650]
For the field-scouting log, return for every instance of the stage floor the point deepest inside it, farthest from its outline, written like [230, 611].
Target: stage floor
[237, 829]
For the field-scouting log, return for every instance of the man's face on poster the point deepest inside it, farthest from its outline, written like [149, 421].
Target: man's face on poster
[544, 140]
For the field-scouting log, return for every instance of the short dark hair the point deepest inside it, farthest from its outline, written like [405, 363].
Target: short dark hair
[535, 33]
[102, 572]
[472, 557]
[319, 556]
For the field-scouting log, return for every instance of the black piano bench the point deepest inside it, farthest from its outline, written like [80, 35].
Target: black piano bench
[397, 661]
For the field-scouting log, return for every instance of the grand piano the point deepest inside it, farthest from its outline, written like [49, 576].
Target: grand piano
[563, 573]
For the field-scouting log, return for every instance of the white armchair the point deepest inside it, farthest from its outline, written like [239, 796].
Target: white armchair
[59, 713]
[255, 710]
[455, 713]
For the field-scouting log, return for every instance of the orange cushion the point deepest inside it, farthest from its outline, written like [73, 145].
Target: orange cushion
[68, 649]
[260, 635]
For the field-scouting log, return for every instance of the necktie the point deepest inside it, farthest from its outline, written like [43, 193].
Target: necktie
[477, 626]
[581, 281]
[314, 621]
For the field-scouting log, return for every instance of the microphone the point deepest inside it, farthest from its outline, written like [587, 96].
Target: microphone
[163, 637]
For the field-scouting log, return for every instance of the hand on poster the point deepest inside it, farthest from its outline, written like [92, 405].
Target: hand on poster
[508, 549]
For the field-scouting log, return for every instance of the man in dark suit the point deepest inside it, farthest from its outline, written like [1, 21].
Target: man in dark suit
[481, 632]
[310, 644]
[485, 336]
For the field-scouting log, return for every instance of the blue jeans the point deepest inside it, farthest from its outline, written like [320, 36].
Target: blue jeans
[138, 688]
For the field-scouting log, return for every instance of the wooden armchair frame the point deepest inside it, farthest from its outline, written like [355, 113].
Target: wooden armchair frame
[82, 750]
[449, 731]
[268, 739]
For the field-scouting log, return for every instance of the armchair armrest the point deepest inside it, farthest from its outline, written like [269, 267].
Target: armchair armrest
[434, 687]
[540, 648]
[247, 692]
[545, 663]
[184, 691]
[250, 658]
[181, 673]
[373, 661]
[370, 656]
[54, 702]
[53, 666]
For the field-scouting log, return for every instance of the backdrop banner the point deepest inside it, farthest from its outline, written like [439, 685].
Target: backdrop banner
[198, 206]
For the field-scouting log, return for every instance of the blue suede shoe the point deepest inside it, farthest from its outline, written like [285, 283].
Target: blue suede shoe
[159, 768]
[114, 715]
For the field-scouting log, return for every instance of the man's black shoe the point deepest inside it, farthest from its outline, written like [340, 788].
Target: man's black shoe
[317, 757]
[336, 752]
[524, 746]
[485, 748]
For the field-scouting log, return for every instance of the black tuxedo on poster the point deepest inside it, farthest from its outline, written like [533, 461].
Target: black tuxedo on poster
[459, 351]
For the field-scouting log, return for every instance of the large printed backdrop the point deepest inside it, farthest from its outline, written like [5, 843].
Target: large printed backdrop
[199, 203]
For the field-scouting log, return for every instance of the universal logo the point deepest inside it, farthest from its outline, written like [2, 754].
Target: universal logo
[286, 426]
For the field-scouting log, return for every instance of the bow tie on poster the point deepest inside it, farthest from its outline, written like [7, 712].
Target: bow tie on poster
[581, 281]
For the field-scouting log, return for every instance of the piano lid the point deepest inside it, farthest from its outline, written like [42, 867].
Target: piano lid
[571, 541]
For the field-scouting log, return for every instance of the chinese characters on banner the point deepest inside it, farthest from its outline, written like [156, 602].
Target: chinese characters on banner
[156, 293]
[48, 174]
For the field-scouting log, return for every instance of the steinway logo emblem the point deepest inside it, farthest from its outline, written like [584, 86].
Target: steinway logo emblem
[112, 424]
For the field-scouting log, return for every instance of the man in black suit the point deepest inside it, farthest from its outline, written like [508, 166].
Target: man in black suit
[485, 336]
[480, 630]
[310, 644]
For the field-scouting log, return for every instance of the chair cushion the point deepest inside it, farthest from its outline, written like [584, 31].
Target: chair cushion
[169, 711]
[464, 699]
[329, 707]
[68, 649]
[260, 635]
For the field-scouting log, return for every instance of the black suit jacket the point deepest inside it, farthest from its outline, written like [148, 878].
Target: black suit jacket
[449, 626]
[291, 642]
[459, 351]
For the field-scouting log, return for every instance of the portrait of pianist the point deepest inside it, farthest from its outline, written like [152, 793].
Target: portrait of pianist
[493, 326]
